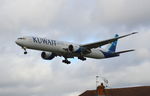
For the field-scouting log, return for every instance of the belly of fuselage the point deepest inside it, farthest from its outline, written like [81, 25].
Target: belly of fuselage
[96, 53]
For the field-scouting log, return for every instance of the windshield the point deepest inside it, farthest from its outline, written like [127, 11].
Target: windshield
[21, 38]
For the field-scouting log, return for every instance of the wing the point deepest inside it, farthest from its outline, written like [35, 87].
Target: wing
[101, 43]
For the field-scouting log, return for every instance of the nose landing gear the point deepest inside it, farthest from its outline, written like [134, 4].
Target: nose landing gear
[25, 51]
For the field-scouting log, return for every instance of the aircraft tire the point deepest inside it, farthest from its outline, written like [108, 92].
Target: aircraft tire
[25, 52]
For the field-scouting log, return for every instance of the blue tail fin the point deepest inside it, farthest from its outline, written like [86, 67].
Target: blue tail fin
[112, 46]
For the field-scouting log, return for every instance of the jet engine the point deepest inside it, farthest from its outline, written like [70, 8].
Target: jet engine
[72, 48]
[48, 55]
[78, 49]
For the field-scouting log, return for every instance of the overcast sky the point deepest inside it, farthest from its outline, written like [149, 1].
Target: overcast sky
[79, 21]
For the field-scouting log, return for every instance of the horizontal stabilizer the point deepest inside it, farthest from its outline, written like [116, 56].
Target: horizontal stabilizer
[124, 51]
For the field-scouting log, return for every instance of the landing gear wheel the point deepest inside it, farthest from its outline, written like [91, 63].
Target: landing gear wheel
[82, 58]
[25, 52]
[66, 61]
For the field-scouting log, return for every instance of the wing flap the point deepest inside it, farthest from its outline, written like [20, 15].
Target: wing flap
[101, 43]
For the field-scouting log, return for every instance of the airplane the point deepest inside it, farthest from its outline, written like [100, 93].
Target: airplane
[53, 48]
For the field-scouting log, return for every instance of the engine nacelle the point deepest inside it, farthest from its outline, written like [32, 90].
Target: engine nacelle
[48, 55]
[72, 48]
[78, 49]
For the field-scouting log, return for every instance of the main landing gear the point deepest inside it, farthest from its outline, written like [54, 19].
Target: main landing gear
[66, 61]
[82, 58]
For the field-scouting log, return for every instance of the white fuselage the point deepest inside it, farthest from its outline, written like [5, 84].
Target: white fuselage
[57, 47]
[53, 48]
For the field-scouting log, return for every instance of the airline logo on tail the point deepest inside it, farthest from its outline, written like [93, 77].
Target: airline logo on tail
[113, 45]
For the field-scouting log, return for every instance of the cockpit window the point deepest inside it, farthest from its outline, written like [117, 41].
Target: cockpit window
[21, 38]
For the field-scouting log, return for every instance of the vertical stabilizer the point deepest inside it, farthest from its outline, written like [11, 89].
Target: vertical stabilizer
[112, 46]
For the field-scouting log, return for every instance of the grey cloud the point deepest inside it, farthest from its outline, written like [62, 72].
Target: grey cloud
[131, 76]
[76, 21]
[124, 12]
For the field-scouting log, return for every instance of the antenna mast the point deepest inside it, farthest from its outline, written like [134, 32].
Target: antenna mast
[97, 81]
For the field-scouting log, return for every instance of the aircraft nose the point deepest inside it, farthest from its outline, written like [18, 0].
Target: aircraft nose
[20, 41]
[17, 42]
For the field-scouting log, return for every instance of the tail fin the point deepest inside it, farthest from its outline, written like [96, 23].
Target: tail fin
[112, 46]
